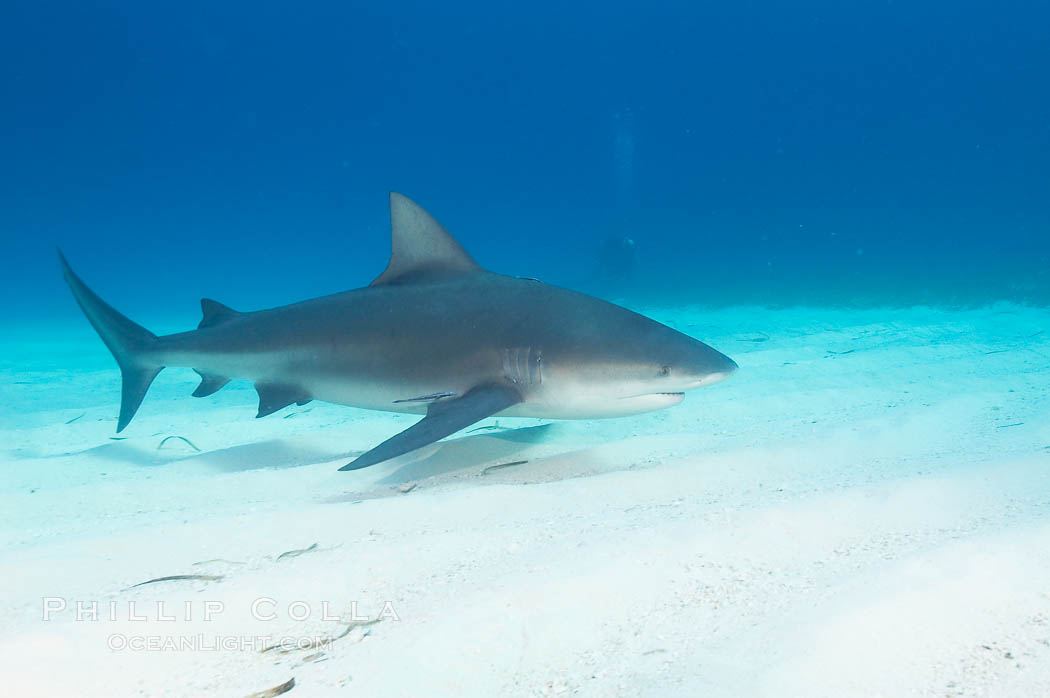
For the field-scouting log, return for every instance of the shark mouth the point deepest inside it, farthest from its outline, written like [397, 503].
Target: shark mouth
[635, 397]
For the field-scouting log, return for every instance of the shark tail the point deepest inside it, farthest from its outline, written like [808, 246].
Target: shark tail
[131, 345]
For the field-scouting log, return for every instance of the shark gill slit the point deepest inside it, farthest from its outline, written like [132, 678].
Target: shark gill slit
[522, 365]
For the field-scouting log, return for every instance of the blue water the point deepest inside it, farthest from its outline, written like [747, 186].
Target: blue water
[755, 152]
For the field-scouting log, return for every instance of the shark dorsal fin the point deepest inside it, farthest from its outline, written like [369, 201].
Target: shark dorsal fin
[420, 248]
[215, 313]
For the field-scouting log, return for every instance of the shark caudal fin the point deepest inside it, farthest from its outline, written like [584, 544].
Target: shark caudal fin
[130, 344]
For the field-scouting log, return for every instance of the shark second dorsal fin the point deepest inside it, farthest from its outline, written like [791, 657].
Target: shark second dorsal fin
[420, 248]
[215, 313]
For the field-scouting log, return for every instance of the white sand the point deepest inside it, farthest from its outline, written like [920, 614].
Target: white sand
[864, 509]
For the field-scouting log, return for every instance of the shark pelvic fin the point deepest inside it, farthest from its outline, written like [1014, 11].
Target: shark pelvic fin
[420, 248]
[215, 313]
[274, 396]
[443, 418]
[210, 383]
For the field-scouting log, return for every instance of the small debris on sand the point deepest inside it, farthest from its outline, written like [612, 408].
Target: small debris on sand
[490, 427]
[297, 553]
[180, 578]
[275, 691]
[181, 438]
[489, 469]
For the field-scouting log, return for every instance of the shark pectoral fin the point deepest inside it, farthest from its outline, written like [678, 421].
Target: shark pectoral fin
[210, 383]
[274, 396]
[443, 418]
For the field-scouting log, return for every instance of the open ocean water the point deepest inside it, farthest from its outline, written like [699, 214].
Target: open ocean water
[852, 200]
[761, 152]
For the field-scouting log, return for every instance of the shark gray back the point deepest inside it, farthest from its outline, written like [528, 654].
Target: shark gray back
[434, 334]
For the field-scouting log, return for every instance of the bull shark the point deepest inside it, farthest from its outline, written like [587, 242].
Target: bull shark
[434, 334]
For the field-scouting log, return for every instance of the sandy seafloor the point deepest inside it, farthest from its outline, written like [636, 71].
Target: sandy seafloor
[863, 509]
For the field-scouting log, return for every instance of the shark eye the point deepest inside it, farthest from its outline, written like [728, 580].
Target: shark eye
[665, 371]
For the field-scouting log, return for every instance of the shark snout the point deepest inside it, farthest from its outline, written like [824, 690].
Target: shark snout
[722, 369]
[712, 378]
[727, 369]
